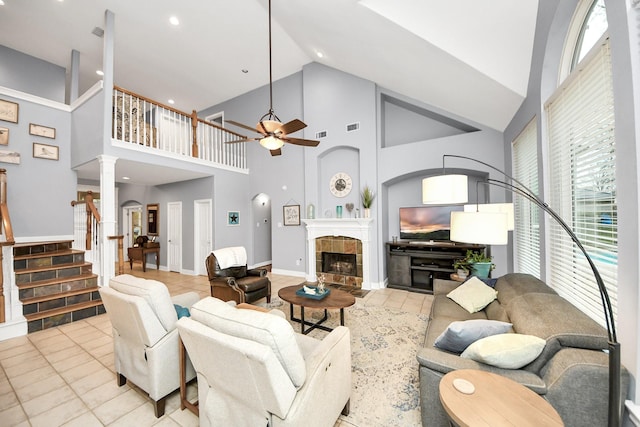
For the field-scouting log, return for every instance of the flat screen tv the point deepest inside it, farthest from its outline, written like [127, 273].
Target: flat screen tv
[426, 222]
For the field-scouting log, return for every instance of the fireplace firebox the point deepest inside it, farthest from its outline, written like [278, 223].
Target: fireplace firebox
[337, 263]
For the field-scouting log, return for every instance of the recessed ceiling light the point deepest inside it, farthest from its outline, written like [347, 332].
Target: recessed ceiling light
[320, 54]
[171, 101]
[99, 72]
[126, 178]
[174, 20]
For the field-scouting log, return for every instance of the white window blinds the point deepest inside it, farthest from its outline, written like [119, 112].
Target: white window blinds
[527, 225]
[582, 186]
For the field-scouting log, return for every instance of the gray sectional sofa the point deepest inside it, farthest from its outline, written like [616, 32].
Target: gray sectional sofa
[571, 372]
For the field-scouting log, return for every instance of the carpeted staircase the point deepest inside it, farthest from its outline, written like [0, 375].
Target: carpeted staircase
[56, 285]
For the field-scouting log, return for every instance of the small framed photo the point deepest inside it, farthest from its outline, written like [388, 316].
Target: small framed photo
[8, 111]
[233, 218]
[45, 151]
[4, 136]
[10, 157]
[44, 131]
[291, 214]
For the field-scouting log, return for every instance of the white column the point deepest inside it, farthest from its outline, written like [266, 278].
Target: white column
[107, 217]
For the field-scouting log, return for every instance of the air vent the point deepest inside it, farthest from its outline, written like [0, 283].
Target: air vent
[97, 31]
[321, 134]
[353, 127]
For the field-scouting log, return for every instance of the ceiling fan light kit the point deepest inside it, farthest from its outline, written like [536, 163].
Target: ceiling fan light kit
[273, 132]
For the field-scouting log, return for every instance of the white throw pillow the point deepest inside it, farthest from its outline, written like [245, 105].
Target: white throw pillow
[508, 351]
[473, 295]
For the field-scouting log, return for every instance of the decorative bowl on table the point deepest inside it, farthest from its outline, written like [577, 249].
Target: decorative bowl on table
[313, 292]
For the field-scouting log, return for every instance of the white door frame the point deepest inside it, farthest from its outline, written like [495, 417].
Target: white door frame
[202, 234]
[174, 236]
[126, 223]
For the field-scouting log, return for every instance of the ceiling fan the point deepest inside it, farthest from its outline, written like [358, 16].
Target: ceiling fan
[273, 133]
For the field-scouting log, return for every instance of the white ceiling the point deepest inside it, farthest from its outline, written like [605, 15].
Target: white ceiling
[468, 57]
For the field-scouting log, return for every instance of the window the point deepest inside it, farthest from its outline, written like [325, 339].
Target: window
[527, 225]
[593, 27]
[582, 185]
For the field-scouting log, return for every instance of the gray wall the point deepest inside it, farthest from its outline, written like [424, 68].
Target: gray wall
[31, 75]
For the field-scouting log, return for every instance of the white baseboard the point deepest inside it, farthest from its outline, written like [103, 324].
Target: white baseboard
[288, 272]
[13, 329]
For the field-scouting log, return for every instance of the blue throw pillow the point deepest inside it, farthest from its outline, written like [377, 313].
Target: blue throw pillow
[181, 311]
[488, 282]
[461, 334]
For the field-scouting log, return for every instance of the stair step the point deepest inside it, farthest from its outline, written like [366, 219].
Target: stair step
[26, 248]
[49, 297]
[45, 260]
[56, 280]
[59, 316]
[52, 267]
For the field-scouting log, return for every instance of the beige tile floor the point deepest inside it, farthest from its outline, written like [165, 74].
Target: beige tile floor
[65, 376]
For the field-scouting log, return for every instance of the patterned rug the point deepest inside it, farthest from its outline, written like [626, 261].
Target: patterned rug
[384, 343]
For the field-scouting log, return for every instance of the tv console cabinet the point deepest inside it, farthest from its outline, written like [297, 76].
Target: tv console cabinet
[414, 265]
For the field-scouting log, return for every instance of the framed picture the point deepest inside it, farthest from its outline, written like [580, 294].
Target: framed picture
[10, 157]
[45, 151]
[44, 131]
[4, 136]
[8, 111]
[233, 218]
[291, 214]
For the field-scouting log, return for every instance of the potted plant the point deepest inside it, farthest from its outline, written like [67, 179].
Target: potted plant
[476, 263]
[367, 196]
[462, 267]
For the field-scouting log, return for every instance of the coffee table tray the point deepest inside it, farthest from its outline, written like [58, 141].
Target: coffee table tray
[302, 293]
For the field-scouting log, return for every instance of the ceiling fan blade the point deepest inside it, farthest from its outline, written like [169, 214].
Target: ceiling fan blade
[303, 142]
[276, 152]
[240, 125]
[245, 139]
[293, 126]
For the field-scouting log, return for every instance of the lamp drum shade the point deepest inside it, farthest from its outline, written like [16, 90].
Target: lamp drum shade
[488, 228]
[445, 189]
[494, 207]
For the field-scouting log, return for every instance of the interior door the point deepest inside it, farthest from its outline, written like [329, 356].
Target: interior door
[174, 236]
[203, 234]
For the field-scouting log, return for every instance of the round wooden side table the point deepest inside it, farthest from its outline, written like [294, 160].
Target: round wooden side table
[495, 402]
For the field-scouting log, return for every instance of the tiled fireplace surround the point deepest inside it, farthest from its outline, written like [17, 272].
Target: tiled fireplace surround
[348, 235]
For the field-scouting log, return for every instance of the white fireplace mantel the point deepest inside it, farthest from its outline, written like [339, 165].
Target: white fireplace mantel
[356, 228]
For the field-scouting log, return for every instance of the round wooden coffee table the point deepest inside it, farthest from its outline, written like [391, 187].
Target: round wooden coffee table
[497, 401]
[337, 299]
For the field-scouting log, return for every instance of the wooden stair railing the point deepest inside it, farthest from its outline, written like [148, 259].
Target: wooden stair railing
[8, 231]
[93, 222]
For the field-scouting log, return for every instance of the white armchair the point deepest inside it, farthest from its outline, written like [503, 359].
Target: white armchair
[145, 337]
[253, 369]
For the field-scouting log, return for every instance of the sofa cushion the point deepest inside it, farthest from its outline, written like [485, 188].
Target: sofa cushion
[508, 351]
[473, 295]
[513, 285]
[154, 293]
[267, 329]
[460, 334]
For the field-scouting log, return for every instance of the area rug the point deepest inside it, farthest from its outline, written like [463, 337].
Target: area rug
[384, 343]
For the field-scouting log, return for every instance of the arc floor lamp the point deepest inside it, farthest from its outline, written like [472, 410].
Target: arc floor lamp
[490, 226]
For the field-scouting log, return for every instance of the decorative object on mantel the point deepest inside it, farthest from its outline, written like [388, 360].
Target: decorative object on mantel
[367, 196]
[311, 211]
[8, 111]
[273, 134]
[339, 211]
[291, 214]
[349, 207]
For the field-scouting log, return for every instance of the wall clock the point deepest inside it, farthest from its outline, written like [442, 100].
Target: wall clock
[340, 184]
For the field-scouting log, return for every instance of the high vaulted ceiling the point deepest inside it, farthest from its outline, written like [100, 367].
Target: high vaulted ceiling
[468, 57]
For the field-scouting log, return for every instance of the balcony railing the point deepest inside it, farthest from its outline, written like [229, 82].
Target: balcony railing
[142, 121]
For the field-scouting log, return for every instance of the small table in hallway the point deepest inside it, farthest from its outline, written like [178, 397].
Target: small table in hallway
[337, 299]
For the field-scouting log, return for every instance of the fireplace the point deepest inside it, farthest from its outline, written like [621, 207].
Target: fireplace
[337, 263]
[344, 236]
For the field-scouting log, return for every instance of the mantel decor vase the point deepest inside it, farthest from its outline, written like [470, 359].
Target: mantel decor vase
[311, 211]
[366, 213]
[339, 211]
[481, 269]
